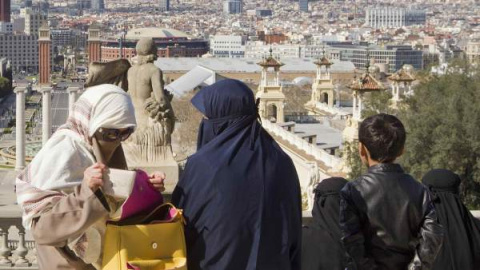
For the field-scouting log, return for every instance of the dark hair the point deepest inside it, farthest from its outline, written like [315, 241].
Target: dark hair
[384, 136]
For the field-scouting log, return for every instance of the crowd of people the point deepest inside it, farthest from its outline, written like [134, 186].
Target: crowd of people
[240, 195]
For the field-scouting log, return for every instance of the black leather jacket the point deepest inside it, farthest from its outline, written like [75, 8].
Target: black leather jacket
[388, 221]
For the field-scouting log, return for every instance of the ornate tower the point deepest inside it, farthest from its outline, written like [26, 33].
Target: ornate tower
[403, 78]
[322, 88]
[359, 86]
[44, 49]
[94, 44]
[270, 91]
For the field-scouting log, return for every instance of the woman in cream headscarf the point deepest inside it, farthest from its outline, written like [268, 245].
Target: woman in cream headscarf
[59, 191]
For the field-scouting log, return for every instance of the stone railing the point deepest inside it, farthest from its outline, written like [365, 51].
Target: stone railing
[15, 251]
[319, 154]
[334, 110]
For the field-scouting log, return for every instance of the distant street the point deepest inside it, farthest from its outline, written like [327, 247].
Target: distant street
[59, 108]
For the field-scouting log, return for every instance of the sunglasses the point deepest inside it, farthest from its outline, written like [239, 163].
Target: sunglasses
[111, 134]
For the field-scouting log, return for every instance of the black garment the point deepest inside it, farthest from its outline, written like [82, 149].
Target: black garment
[461, 247]
[240, 192]
[321, 244]
[388, 220]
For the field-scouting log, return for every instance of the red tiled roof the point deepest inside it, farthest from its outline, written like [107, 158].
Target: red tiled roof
[366, 83]
[270, 62]
[323, 62]
[402, 76]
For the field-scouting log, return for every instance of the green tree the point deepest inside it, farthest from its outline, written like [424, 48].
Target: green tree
[377, 102]
[443, 125]
[353, 160]
[5, 87]
[442, 121]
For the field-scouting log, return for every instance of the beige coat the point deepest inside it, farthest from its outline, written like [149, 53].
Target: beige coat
[69, 218]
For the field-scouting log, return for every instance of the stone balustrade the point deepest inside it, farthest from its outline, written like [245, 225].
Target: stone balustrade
[15, 251]
[333, 110]
[321, 155]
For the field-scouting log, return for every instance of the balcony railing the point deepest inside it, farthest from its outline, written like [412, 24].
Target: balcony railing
[15, 251]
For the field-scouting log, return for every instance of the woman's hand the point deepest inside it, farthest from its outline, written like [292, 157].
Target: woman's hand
[93, 175]
[157, 179]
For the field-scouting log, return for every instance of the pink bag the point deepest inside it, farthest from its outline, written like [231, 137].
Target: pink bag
[143, 199]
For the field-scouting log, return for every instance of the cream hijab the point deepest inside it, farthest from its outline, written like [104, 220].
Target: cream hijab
[59, 165]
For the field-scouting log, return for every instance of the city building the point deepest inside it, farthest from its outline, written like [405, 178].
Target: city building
[275, 38]
[62, 37]
[4, 10]
[473, 51]
[232, 6]
[33, 20]
[164, 5]
[228, 46]
[98, 5]
[21, 50]
[303, 5]
[170, 43]
[395, 56]
[260, 12]
[394, 17]
[6, 27]
[84, 4]
[18, 25]
[258, 49]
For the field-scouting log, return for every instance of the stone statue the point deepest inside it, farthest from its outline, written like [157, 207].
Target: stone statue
[146, 87]
[149, 147]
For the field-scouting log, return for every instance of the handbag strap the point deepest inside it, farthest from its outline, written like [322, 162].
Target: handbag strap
[178, 212]
[151, 216]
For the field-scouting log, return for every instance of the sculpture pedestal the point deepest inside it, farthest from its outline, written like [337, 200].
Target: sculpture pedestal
[169, 167]
[160, 158]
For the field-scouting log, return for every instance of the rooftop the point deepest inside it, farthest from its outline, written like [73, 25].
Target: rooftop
[366, 83]
[152, 32]
[246, 65]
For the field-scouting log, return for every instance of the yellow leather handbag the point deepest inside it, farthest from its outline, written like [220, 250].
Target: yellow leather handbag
[156, 242]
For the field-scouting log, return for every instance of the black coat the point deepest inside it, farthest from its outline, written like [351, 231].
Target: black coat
[321, 244]
[387, 218]
[240, 192]
[461, 247]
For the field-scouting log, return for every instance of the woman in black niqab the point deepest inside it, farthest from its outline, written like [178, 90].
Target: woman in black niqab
[321, 245]
[239, 191]
[461, 245]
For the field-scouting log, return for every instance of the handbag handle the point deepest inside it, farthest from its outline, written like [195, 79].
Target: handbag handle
[151, 217]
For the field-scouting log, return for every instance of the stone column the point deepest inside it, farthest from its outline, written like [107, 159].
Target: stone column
[354, 105]
[46, 114]
[360, 106]
[20, 128]
[21, 250]
[72, 97]
[5, 251]
[397, 94]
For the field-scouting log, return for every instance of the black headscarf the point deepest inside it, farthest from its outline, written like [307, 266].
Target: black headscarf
[240, 192]
[322, 248]
[461, 246]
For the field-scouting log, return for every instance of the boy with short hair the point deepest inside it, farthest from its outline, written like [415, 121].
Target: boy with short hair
[387, 218]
